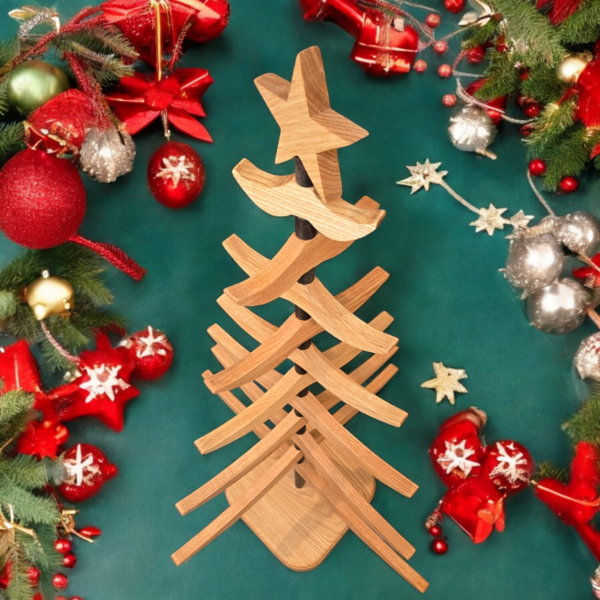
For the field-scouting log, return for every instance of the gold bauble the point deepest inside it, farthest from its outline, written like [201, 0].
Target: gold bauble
[570, 68]
[50, 296]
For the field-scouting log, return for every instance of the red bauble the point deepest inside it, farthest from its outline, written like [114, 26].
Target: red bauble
[435, 531]
[568, 185]
[42, 438]
[496, 103]
[508, 465]
[526, 130]
[33, 574]
[444, 71]
[476, 55]
[532, 111]
[176, 174]
[439, 546]
[152, 353]
[420, 66]
[537, 167]
[60, 581]
[433, 20]
[69, 560]
[440, 47]
[42, 199]
[62, 546]
[449, 100]
[86, 470]
[454, 6]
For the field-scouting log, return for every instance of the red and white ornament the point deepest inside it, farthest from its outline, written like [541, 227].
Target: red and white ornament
[444, 71]
[454, 6]
[420, 66]
[508, 465]
[449, 100]
[152, 353]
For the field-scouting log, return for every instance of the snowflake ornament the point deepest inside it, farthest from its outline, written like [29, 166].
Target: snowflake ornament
[457, 457]
[510, 466]
[176, 168]
[79, 471]
[103, 380]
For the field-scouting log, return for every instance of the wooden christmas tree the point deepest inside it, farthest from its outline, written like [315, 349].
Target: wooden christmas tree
[308, 480]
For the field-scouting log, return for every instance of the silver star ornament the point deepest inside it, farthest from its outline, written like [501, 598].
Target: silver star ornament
[422, 175]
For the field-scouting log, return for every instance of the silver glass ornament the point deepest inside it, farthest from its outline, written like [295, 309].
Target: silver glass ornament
[579, 232]
[107, 154]
[533, 262]
[472, 130]
[587, 358]
[558, 307]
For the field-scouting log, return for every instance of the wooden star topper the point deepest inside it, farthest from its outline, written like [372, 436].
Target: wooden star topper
[310, 129]
[446, 382]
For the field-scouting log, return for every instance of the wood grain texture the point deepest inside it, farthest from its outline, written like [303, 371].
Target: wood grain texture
[295, 258]
[281, 196]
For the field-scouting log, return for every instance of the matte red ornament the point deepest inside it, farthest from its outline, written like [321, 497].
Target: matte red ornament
[476, 55]
[433, 20]
[532, 111]
[86, 470]
[176, 174]
[60, 581]
[33, 574]
[440, 47]
[62, 546]
[537, 167]
[42, 199]
[42, 439]
[69, 560]
[444, 71]
[152, 353]
[496, 106]
[439, 546]
[568, 185]
[449, 100]
[508, 465]
[454, 6]
[420, 66]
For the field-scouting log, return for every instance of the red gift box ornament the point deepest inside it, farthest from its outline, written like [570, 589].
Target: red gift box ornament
[479, 478]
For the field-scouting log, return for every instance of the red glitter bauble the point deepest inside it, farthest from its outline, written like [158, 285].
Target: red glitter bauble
[433, 20]
[420, 66]
[445, 71]
[449, 100]
[33, 574]
[568, 184]
[151, 353]
[435, 531]
[62, 546]
[42, 199]
[533, 111]
[440, 47]
[439, 546]
[454, 6]
[537, 167]
[476, 55]
[69, 560]
[176, 174]
[60, 581]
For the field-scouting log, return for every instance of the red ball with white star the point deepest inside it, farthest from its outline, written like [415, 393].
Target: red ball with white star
[85, 470]
[176, 174]
[508, 465]
[444, 71]
[449, 100]
[420, 66]
[152, 353]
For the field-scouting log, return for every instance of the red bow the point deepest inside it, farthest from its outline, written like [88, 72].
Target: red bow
[139, 100]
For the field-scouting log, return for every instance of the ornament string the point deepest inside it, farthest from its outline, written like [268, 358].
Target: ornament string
[57, 346]
[9, 524]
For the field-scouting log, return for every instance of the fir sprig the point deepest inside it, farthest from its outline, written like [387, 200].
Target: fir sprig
[12, 138]
[502, 76]
[583, 26]
[554, 120]
[546, 470]
[584, 425]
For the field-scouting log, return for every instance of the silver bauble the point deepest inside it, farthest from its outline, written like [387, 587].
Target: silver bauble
[533, 262]
[107, 154]
[587, 358]
[558, 307]
[472, 130]
[579, 232]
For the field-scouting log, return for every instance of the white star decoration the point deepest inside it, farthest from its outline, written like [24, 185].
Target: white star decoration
[176, 168]
[76, 468]
[103, 380]
[457, 457]
[421, 175]
[490, 219]
[148, 342]
[509, 465]
[446, 382]
[520, 220]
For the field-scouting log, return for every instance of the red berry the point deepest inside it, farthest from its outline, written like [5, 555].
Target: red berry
[449, 100]
[439, 546]
[532, 111]
[524, 76]
[435, 531]
[476, 55]
[445, 71]
[527, 129]
[69, 560]
[537, 167]
[454, 6]
[568, 184]
[60, 581]
[33, 574]
[420, 66]
[433, 20]
[440, 47]
[90, 531]
[62, 546]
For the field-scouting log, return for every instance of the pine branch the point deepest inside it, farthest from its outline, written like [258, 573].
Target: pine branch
[546, 470]
[14, 411]
[583, 26]
[584, 425]
[543, 85]
[478, 35]
[29, 509]
[25, 471]
[554, 120]
[502, 76]
[12, 139]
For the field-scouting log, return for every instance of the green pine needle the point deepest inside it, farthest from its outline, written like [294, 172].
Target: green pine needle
[546, 470]
[12, 138]
[583, 26]
[554, 120]
[502, 77]
[584, 425]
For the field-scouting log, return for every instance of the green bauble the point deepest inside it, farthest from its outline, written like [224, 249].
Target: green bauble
[33, 83]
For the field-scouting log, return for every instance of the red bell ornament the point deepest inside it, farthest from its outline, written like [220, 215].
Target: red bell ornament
[85, 469]
[152, 353]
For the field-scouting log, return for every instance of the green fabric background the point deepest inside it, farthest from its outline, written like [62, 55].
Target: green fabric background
[450, 303]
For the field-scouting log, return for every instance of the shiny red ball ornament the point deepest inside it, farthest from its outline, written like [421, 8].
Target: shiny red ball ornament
[568, 185]
[525, 101]
[440, 47]
[86, 470]
[62, 546]
[420, 66]
[508, 465]
[454, 6]
[60, 581]
[433, 20]
[449, 100]
[33, 574]
[532, 111]
[435, 531]
[444, 71]
[151, 352]
[42, 199]
[537, 167]
[526, 130]
[69, 560]
[439, 546]
[176, 174]
[476, 55]
[74, 598]
[89, 531]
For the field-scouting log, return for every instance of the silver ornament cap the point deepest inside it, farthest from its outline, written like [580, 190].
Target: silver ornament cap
[533, 262]
[107, 154]
[587, 358]
[559, 307]
[472, 130]
[579, 232]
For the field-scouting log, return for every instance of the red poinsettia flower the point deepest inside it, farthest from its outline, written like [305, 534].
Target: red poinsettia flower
[589, 274]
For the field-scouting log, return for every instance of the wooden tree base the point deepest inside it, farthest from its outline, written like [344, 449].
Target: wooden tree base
[297, 525]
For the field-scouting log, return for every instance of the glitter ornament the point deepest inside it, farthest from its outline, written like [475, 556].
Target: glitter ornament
[107, 154]
[444, 71]
[578, 231]
[42, 199]
[433, 20]
[537, 167]
[587, 358]
[60, 581]
[152, 353]
[508, 465]
[449, 100]
[559, 307]
[532, 111]
[48, 296]
[472, 130]
[33, 575]
[476, 55]
[176, 174]
[420, 66]
[454, 6]
[568, 185]
[440, 47]
[33, 83]
[533, 262]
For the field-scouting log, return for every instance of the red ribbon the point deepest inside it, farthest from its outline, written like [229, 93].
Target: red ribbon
[139, 101]
[561, 9]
